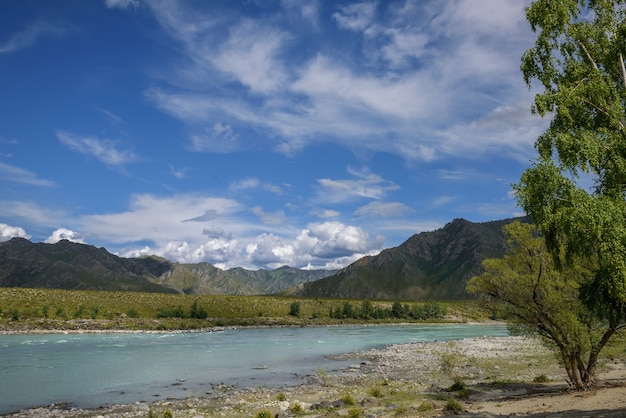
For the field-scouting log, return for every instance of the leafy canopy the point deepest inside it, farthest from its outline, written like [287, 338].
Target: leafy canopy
[575, 189]
[542, 299]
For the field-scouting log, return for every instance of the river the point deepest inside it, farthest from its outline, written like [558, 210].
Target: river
[94, 369]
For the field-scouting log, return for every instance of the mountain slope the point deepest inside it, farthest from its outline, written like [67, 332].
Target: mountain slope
[68, 265]
[429, 265]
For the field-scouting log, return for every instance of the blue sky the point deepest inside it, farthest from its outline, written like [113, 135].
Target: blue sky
[259, 133]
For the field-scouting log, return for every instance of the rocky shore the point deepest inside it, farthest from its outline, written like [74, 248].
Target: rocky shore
[477, 377]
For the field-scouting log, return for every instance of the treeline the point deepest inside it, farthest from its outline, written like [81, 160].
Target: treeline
[367, 310]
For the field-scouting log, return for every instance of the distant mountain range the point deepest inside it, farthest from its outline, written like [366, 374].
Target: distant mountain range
[68, 265]
[429, 265]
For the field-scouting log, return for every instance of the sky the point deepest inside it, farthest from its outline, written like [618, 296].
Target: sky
[259, 134]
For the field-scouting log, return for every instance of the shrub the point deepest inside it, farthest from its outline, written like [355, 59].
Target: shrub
[198, 312]
[457, 386]
[376, 392]
[297, 408]
[44, 310]
[354, 413]
[348, 400]
[542, 378]
[453, 405]
[426, 406]
[281, 397]
[132, 313]
[294, 309]
[264, 414]
[15, 314]
[93, 312]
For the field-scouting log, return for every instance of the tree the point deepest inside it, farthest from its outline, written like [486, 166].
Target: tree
[544, 299]
[578, 59]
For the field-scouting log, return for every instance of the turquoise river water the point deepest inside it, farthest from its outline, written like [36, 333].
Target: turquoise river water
[94, 369]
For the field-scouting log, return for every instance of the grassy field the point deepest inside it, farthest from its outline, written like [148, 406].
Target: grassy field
[48, 308]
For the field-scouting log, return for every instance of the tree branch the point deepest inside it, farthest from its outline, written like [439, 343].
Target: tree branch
[588, 55]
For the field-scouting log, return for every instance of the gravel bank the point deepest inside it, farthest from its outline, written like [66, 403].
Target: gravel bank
[417, 369]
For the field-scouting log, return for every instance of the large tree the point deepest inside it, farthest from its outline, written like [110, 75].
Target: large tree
[542, 299]
[575, 190]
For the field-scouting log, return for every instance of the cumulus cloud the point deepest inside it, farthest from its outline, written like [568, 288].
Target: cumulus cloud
[64, 233]
[104, 150]
[7, 232]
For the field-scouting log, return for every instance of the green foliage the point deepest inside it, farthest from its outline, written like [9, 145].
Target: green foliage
[294, 309]
[297, 408]
[15, 314]
[354, 413]
[197, 312]
[264, 414]
[281, 397]
[453, 406]
[545, 300]
[542, 378]
[426, 406]
[376, 392]
[348, 400]
[578, 59]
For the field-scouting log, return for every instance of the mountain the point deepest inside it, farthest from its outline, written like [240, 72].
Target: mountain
[429, 265]
[204, 278]
[69, 265]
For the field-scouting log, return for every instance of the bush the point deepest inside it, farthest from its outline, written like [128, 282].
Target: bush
[132, 313]
[453, 405]
[15, 314]
[294, 309]
[354, 413]
[264, 414]
[281, 397]
[376, 392]
[426, 406]
[197, 312]
[171, 312]
[542, 378]
[348, 400]
[297, 408]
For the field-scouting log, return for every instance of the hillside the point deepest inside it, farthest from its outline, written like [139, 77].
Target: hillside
[429, 265]
[68, 265]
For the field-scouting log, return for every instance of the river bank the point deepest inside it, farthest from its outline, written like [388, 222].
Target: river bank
[496, 376]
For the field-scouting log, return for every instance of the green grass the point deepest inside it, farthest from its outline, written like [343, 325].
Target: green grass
[49, 308]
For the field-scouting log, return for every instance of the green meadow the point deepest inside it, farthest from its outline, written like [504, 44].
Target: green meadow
[25, 308]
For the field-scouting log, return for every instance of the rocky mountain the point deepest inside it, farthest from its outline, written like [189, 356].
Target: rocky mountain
[429, 265]
[68, 265]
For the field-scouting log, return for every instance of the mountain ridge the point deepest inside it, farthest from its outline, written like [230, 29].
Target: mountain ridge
[429, 265]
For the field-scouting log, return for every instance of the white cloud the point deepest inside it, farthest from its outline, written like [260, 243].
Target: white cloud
[399, 97]
[250, 55]
[355, 17]
[383, 209]
[218, 138]
[29, 36]
[335, 240]
[267, 218]
[7, 232]
[104, 150]
[366, 185]
[19, 175]
[122, 4]
[158, 219]
[64, 233]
